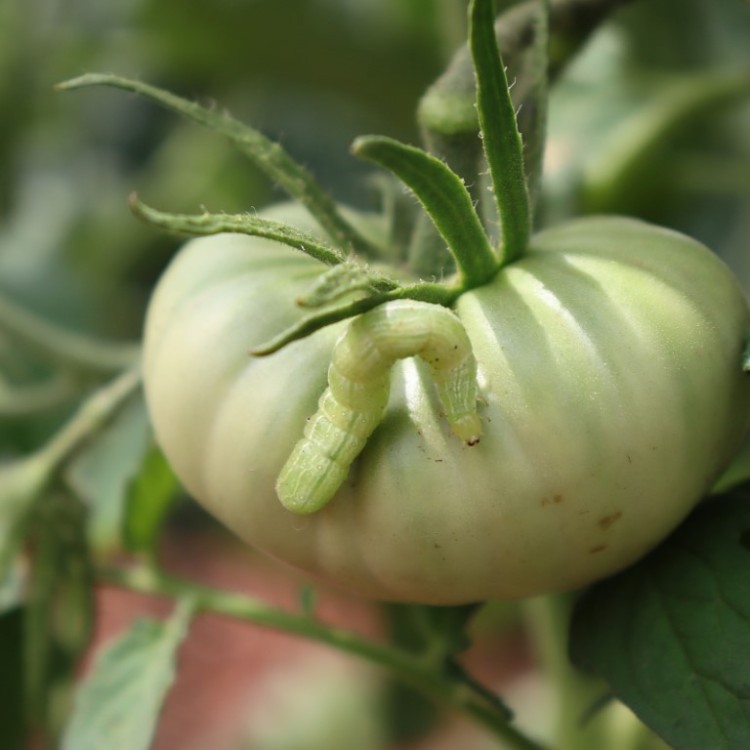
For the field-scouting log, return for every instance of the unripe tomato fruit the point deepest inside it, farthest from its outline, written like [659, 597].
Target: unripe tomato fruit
[612, 396]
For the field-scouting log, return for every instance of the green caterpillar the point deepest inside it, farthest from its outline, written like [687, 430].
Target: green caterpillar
[358, 388]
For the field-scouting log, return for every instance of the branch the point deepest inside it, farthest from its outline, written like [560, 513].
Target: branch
[405, 666]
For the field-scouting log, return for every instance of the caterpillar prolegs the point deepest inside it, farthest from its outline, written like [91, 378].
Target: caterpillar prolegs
[358, 388]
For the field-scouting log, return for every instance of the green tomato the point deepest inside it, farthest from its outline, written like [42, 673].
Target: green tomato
[611, 396]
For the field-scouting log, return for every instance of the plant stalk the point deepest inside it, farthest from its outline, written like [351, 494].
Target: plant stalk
[574, 693]
[407, 667]
[72, 349]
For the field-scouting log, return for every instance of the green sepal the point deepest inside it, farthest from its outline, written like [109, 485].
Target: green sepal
[501, 138]
[346, 278]
[267, 155]
[250, 224]
[445, 199]
[424, 292]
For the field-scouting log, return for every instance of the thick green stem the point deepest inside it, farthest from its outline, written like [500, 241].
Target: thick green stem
[23, 481]
[91, 416]
[405, 666]
[447, 114]
[446, 111]
[573, 692]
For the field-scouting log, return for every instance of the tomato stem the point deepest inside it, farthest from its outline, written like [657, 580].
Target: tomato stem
[23, 481]
[575, 693]
[406, 666]
[73, 350]
[446, 113]
[90, 417]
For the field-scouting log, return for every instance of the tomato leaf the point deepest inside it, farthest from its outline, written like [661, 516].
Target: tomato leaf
[59, 612]
[118, 705]
[671, 635]
[150, 496]
[445, 199]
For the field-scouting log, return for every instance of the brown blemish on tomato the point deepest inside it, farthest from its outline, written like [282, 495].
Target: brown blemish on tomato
[607, 521]
[598, 548]
[554, 500]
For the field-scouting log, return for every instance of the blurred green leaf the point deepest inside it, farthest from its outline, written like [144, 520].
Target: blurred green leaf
[117, 707]
[102, 473]
[633, 149]
[671, 635]
[59, 612]
[151, 494]
[646, 105]
[682, 34]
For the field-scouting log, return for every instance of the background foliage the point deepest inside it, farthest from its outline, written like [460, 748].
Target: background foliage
[651, 119]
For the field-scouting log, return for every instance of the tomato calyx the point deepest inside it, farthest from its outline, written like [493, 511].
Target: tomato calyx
[350, 287]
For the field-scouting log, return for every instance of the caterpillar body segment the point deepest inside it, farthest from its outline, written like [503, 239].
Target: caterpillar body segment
[358, 388]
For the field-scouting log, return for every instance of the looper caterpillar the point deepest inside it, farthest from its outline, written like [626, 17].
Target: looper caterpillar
[358, 387]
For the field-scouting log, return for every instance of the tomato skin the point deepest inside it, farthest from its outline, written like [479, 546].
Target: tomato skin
[612, 396]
